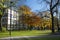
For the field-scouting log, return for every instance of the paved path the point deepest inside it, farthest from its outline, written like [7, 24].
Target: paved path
[19, 37]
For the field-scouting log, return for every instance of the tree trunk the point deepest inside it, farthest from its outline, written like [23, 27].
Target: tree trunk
[52, 18]
[52, 24]
[0, 23]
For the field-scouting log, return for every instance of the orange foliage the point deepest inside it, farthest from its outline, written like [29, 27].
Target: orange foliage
[31, 19]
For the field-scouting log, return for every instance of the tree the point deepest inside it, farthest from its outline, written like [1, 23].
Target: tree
[51, 10]
[25, 9]
[52, 6]
[0, 20]
[1, 12]
[29, 17]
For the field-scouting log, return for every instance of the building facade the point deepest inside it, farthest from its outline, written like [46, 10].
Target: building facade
[11, 20]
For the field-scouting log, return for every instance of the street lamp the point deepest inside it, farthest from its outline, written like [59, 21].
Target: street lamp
[10, 16]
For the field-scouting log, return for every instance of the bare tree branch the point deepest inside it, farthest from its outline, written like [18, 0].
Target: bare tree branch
[55, 5]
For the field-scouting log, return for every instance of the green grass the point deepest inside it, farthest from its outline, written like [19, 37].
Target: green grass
[4, 34]
[25, 33]
[30, 33]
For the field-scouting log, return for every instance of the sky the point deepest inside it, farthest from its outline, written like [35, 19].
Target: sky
[35, 5]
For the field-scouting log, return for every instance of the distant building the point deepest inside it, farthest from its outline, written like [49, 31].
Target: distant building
[45, 14]
[11, 20]
[10, 16]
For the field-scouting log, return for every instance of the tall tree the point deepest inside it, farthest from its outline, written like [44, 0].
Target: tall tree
[53, 4]
[1, 12]
[29, 17]
[51, 11]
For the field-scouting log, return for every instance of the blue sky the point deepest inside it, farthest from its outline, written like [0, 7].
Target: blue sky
[35, 5]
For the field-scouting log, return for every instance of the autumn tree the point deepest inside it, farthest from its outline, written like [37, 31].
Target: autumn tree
[29, 17]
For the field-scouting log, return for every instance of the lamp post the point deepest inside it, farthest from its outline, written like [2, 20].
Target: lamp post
[10, 17]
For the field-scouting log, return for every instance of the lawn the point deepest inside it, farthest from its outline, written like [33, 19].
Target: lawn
[25, 33]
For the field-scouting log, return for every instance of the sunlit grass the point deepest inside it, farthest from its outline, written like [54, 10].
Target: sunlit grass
[30, 33]
[4, 34]
[25, 33]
